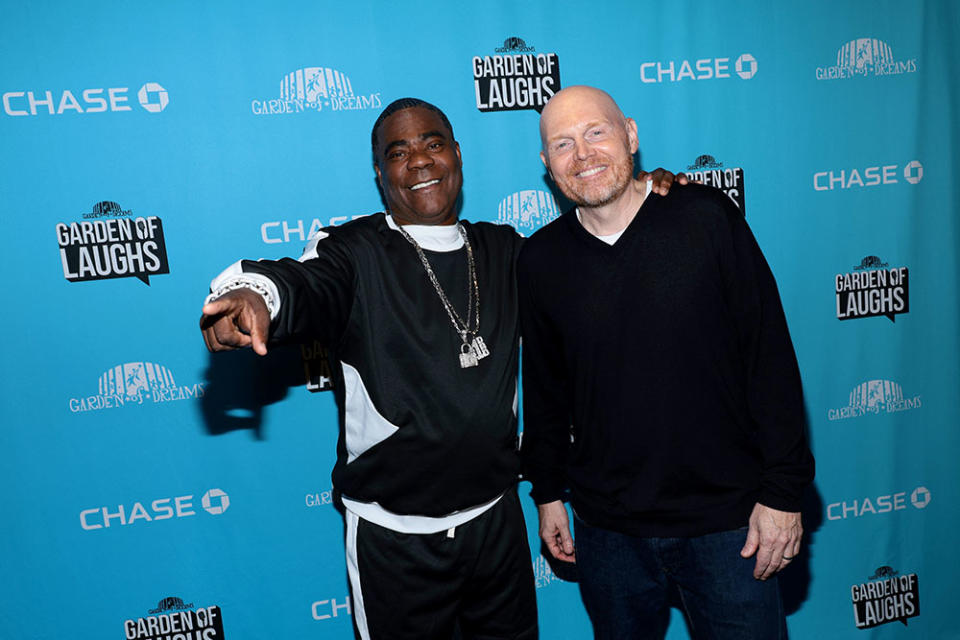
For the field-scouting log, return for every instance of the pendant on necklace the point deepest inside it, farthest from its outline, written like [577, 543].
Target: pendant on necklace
[467, 357]
[479, 348]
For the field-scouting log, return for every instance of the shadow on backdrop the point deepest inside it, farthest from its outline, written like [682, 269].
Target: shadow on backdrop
[239, 384]
[795, 581]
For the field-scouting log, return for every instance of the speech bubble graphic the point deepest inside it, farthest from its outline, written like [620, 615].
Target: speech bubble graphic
[873, 292]
[513, 82]
[106, 248]
[892, 598]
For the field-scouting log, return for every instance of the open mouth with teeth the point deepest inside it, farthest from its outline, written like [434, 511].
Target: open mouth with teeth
[591, 172]
[424, 185]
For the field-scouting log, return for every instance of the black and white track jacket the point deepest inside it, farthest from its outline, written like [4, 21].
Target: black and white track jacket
[419, 435]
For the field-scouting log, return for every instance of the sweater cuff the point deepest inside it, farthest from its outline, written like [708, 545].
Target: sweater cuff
[544, 491]
[233, 277]
[777, 500]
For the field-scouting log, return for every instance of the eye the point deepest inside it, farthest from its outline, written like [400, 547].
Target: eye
[395, 154]
[435, 146]
[561, 145]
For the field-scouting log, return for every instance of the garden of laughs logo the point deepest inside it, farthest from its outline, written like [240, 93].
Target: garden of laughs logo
[873, 288]
[173, 619]
[887, 596]
[709, 171]
[110, 242]
[515, 77]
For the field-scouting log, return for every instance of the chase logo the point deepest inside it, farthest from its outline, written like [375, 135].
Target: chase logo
[875, 397]
[913, 172]
[527, 211]
[920, 497]
[744, 66]
[152, 96]
[214, 502]
[858, 177]
[330, 608]
[135, 383]
[876, 505]
[315, 89]
[865, 57]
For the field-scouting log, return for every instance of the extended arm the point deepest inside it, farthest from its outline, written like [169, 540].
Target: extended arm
[255, 302]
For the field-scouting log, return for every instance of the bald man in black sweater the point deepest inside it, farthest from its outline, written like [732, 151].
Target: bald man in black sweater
[653, 328]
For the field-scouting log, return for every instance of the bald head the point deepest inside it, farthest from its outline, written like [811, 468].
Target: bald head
[588, 147]
[578, 102]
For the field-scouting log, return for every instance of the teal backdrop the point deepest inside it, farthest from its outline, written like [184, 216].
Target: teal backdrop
[149, 487]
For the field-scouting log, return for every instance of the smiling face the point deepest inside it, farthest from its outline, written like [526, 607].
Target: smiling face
[419, 168]
[588, 146]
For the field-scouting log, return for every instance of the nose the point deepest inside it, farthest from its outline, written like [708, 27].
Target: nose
[582, 149]
[419, 159]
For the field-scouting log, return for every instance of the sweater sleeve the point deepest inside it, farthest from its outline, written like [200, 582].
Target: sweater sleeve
[546, 408]
[315, 293]
[773, 387]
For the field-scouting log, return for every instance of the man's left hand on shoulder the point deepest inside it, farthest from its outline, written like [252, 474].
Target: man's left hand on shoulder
[774, 536]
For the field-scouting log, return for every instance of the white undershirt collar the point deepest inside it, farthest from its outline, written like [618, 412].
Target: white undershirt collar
[609, 239]
[432, 237]
[613, 237]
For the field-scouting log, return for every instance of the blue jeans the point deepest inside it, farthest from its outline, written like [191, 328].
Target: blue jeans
[627, 585]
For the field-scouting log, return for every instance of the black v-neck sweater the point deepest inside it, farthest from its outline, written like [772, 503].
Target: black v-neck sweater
[668, 356]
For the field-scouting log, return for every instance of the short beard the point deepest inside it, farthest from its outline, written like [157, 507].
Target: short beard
[622, 177]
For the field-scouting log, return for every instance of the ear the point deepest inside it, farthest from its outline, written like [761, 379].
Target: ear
[632, 135]
[546, 165]
[376, 167]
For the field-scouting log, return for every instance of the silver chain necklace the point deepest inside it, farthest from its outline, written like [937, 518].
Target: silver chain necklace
[473, 348]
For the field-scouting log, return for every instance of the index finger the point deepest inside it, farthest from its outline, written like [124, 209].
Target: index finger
[764, 567]
[259, 330]
[215, 308]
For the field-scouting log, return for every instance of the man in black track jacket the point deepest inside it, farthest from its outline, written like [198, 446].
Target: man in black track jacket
[427, 460]
[660, 388]
[420, 311]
